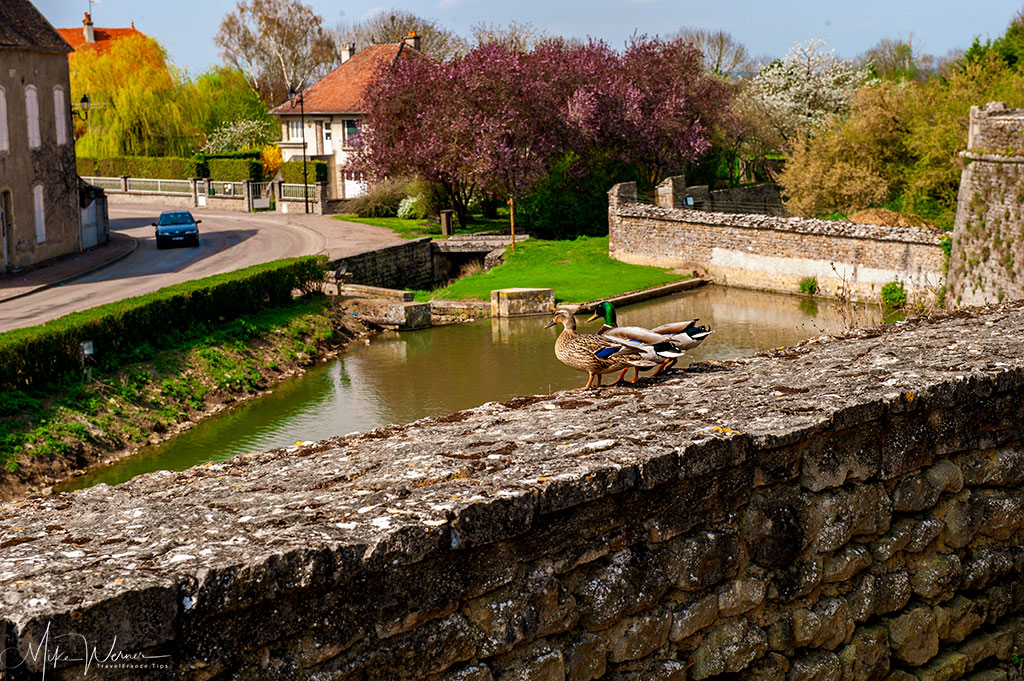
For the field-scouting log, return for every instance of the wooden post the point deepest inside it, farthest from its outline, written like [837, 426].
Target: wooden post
[512, 219]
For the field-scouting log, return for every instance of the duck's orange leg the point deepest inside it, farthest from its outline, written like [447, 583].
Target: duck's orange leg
[623, 373]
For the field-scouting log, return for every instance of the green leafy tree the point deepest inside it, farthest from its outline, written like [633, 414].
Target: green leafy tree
[224, 97]
[141, 106]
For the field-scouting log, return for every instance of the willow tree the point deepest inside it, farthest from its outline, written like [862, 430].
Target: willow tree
[140, 105]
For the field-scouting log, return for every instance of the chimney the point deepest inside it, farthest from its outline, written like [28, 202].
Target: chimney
[412, 40]
[90, 36]
[348, 52]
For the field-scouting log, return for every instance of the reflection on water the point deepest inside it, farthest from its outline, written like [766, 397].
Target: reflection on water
[398, 378]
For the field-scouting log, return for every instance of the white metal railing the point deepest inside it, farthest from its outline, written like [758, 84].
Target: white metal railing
[149, 185]
[104, 182]
[294, 191]
[262, 189]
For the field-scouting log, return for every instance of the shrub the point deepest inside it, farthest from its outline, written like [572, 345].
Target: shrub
[36, 356]
[158, 167]
[236, 169]
[809, 285]
[572, 200]
[894, 295]
[316, 171]
[407, 208]
[381, 200]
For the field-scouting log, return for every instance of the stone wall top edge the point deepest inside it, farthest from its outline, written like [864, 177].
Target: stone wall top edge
[483, 474]
[800, 225]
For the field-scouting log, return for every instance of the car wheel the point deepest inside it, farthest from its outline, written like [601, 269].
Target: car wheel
[196, 243]
[159, 244]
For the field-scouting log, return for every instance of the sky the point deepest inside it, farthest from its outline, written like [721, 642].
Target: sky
[768, 28]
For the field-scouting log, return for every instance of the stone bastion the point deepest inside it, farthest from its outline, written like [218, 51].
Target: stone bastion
[843, 509]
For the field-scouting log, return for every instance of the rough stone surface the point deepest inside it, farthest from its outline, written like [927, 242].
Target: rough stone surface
[729, 519]
[987, 249]
[771, 252]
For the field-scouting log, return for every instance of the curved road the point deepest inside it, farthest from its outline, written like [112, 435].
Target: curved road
[227, 241]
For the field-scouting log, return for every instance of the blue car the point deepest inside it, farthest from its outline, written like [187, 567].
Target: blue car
[176, 227]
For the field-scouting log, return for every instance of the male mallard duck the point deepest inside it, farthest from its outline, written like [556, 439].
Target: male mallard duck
[681, 335]
[590, 352]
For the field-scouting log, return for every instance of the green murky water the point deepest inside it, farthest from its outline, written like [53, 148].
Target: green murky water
[398, 378]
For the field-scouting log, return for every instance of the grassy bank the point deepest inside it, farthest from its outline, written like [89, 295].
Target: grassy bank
[414, 229]
[578, 271]
[159, 392]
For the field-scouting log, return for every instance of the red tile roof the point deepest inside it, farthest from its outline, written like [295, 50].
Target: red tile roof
[104, 36]
[341, 90]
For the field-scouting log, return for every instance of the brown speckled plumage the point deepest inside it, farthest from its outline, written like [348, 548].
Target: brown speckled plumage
[576, 350]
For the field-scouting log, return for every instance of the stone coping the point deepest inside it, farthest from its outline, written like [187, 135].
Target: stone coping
[798, 225]
[262, 524]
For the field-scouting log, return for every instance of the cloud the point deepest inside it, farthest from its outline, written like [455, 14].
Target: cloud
[449, 4]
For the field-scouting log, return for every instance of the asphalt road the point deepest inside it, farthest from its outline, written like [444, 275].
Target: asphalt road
[227, 241]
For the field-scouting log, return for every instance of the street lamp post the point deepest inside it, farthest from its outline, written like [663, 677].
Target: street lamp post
[296, 97]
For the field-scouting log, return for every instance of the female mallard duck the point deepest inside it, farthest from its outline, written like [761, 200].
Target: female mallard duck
[590, 352]
[681, 335]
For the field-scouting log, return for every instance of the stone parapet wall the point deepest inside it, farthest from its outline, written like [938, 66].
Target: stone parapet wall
[987, 259]
[776, 253]
[842, 510]
[406, 265]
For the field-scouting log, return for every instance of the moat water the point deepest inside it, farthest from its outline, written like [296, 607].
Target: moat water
[397, 378]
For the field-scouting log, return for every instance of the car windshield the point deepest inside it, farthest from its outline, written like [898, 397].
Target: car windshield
[175, 219]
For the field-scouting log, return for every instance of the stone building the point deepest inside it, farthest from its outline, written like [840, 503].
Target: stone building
[332, 108]
[39, 187]
[986, 263]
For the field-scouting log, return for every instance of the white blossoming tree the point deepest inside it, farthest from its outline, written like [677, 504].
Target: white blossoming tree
[807, 87]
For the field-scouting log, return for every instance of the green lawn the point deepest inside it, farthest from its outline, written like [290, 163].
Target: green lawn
[577, 270]
[414, 229]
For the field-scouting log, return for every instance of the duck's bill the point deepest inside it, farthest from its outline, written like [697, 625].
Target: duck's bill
[593, 317]
[550, 324]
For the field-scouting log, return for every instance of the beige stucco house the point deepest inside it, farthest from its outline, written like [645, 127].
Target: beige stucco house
[40, 216]
[332, 108]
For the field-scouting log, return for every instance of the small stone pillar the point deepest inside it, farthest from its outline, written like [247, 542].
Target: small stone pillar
[518, 302]
[124, 183]
[447, 223]
[669, 192]
[193, 188]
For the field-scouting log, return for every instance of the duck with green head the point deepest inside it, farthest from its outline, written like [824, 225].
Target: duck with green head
[591, 353]
[681, 336]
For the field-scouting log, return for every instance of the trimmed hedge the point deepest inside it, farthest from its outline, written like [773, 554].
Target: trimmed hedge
[160, 167]
[291, 171]
[36, 356]
[235, 169]
[254, 154]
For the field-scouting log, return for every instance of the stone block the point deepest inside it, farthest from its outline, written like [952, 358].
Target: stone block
[472, 672]
[517, 302]
[728, 648]
[637, 637]
[740, 595]
[955, 620]
[995, 644]
[999, 467]
[694, 617]
[818, 665]
[866, 656]
[846, 563]
[539, 662]
[935, 577]
[913, 636]
[514, 615]
[945, 667]
[585, 658]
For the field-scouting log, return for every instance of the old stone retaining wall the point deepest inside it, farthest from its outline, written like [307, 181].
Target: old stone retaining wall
[987, 260]
[405, 265]
[841, 510]
[774, 253]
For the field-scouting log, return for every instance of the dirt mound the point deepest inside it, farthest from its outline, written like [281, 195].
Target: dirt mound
[881, 216]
